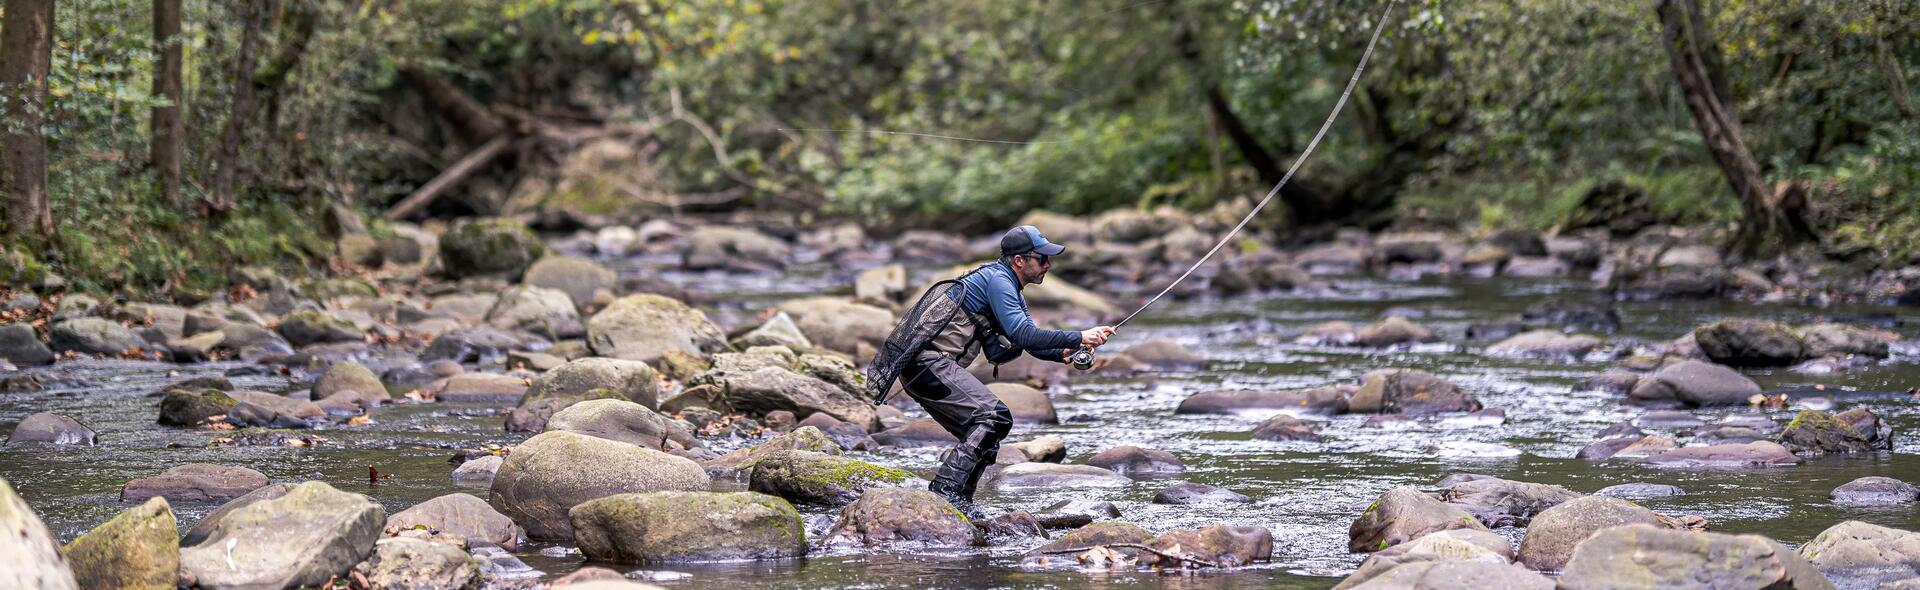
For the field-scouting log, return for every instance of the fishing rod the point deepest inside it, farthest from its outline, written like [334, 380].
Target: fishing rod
[1083, 358]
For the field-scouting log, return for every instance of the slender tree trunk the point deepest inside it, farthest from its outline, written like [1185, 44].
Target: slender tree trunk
[475, 123]
[168, 126]
[226, 173]
[1771, 218]
[26, 46]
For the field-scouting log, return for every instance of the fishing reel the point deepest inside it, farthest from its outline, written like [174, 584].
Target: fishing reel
[1081, 359]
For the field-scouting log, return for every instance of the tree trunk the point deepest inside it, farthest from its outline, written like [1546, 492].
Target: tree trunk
[272, 76]
[226, 173]
[168, 127]
[25, 58]
[475, 123]
[1770, 222]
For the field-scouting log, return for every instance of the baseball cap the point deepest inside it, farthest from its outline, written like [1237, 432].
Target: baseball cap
[1027, 238]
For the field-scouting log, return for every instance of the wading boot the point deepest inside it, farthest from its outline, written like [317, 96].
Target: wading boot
[959, 472]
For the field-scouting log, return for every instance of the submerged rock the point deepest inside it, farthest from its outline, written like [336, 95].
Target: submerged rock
[1196, 493]
[1409, 391]
[1129, 459]
[1640, 490]
[304, 538]
[892, 515]
[1218, 545]
[1753, 454]
[1027, 476]
[48, 427]
[688, 526]
[1319, 400]
[1403, 514]
[195, 482]
[1283, 427]
[1545, 343]
[1617, 557]
[1875, 491]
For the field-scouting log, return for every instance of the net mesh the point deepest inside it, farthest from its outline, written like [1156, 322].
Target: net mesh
[915, 330]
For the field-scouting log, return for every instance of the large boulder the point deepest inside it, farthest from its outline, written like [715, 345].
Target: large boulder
[624, 421]
[20, 346]
[1554, 532]
[644, 327]
[30, 556]
[1875, 490]
[495, 247]
[1319, 400]
[1855, 545]
[1750, 343]
[48, 427]
[545, 312]
[1037, 476]
[805, 477]
[462, 515]
[1409, 391]
[1403, 514]
[138, 549]
[732, 248]
[353, 380]
[1694, 383]
[405, 562]
[1813, 433]
[633, 380]
[770, 389]
[579, 278]
[94, 336]
[840, 324]
[893, 515]
[552, 472]
[688, 526]
[1500, 502]
[1457, 545]
[204, 528]
[1545, 343]
[1648, 556]
[1029, 405]
[304, 538]
[1754, 454]
[195, 482]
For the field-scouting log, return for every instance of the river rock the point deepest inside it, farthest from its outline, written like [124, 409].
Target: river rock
[717, 247]
[48, 427]
[1196, 493]
[643, 327]
[1878, 432]
[1855, 546]
[304, 538]
[1409, 391]
[1403, 514]
[358, 382]
[306, 327]
[849, 436]
[1694, 384]
[194, 482]
[886, 284]
[549, 313]
[1634, 491]
[778, 330]
[1611, 381]
[1554, 532]
[840, 324]
[1221, 545]
[579, 278]
[1458, 545]
[1750, 343]
[462, 515]
[1035, 475]
[1814, 433]
[1454, 575]
[890, 515]
[1617, 557]
[1391, 331]
[688, 526]
[20, 346]
[1841, 340]
[1545, 343]
[1029, 405]
[495, 247]
[1875, 491]
[552, 472]
[1067, 514]
[1088, 536]
[1318, 400]
[138, 549]
[1283, 427]
[466, 345]
[805, 477]
[478, 388]
[478, 473]
[403, 562]
[1160, 354]
[1753, 454]
[30, 557]
[1669, 419]
[204, 528]
[1647, 447]
[259, 408]
[94, 336]
[636, 381]
[1129, 459]
[1500, 502]
[768, 389]
[1606, 448]
[624, 421]
[1046, 449]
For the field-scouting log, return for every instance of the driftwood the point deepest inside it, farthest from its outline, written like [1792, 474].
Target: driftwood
[473, 162]
[1145, 548]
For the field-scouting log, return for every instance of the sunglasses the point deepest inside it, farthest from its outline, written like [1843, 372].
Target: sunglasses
[1039, 258]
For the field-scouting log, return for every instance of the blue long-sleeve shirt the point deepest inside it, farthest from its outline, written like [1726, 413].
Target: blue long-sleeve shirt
[994, 291]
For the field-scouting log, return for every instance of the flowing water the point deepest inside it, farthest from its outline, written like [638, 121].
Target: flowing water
[1306, 493]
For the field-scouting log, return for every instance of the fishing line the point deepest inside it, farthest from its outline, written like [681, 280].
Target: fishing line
[1355, 80]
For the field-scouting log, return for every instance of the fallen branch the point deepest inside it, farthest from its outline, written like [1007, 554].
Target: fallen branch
[450, 177]
[1136, 546]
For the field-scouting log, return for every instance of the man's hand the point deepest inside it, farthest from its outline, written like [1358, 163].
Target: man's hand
[1093, 338]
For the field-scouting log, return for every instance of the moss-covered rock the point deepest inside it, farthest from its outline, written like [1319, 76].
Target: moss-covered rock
[806, 477]
[338, 288]
[577, 277]
[309, 326]
[643, 327]
[1403, 514]
[402, 562]
[891, 515]
[546, 312]
[633, 380]
[353, 380]
[1813, 433]
[138, 549]
[304, 538]
[804, 438]
[1391, 331]
[489, 247]
[688, 526]
[1553, 534]
[1647, 556]
[680, 365]
[552, 472]
[30, 557]
[1750, 343]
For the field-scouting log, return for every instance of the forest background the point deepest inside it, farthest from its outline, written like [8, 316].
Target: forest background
[181, 140]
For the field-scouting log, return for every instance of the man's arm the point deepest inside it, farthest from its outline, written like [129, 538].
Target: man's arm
[1010, 310]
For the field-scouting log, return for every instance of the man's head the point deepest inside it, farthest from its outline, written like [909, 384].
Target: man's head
[1028, 253]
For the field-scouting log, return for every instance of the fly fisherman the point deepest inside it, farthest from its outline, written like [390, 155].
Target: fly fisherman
[992, 318]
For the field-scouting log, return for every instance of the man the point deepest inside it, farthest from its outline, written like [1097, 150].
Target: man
[993, 319]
